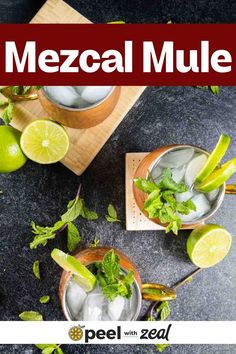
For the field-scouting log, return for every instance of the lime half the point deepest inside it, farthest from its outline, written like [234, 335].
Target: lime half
[44, 141]
[218, 177]
[83, 276]
[214, 158]
[207, 245]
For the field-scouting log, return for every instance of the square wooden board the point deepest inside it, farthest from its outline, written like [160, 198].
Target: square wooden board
[135, 219]
[84, 143]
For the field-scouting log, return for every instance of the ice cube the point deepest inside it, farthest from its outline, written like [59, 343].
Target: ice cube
[79, 89]
[202, 207]
[93, 94]
[64, 95]
[178, 174]
[182, 197]
[92, 309]
[156, 172]
[193, 168]
[176, 158]
[75, 297]
[116, 307]
[213, 194]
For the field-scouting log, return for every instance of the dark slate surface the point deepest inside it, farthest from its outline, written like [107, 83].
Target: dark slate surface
[163, 115]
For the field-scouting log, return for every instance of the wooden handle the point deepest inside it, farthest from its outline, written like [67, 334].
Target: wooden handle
[230, 189]
[157, 292]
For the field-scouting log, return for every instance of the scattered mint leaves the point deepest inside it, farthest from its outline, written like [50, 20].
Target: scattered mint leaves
[112, 280]
[44, 299]
[7, 113]
[36, 269]
[75, 208]
[31, 316]
[163, 310]
[73, 237]
[161, 347]
[95, 243]
[112, 214]
[213, 89]
[161, 202]
[49, 348]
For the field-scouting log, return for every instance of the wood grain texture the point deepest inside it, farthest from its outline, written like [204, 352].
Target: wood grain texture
[84, 143]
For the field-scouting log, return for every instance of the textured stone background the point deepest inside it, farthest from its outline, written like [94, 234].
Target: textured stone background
[163, 115]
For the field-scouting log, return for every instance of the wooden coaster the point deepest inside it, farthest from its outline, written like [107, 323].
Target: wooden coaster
[135, 220]
[84, 143]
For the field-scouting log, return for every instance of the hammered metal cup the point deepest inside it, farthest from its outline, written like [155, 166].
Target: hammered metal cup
[92, 255]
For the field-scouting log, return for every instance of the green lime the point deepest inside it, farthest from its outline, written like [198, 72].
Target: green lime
[207, 245]
[218, 177]
[214, 158]
[83, 276]
[44, 141]
[11, 155]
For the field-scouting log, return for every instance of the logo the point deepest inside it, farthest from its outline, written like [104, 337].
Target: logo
[76, 333]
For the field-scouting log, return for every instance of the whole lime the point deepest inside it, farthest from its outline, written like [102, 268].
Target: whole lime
[11, 155]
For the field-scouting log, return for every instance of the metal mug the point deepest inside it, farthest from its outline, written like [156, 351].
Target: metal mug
[152, 159]
[80, 118]
[92, 255]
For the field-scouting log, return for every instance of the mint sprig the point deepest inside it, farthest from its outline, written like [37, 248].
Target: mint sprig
[36, 269]
[161, 202]
[75, 208]
[112, 280]
[50, 348]
[112, 214]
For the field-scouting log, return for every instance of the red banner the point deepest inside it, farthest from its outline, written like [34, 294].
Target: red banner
[71, 54]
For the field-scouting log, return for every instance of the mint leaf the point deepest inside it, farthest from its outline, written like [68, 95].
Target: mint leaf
[111, 279]
[215, 89]
[43, 234]
[88, 214]
[145, 185]
[74, 209]
[112, 214]
[163, 310]
[31, 316]
[7, 113]
[167, 183]
[73, 237]
[44, 299]
[110, 265]
[161, 347]
[36, 270]
[48, 350]
[95, 243]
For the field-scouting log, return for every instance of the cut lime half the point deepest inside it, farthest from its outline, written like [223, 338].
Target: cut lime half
[218, 177]
[214, 158]
[44, 141]
[82, 275]
[207, 245]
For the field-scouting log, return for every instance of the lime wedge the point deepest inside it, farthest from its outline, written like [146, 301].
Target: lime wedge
[214, 158]
[218, 177]
[207, 245]
[44, 141]
[82, 275]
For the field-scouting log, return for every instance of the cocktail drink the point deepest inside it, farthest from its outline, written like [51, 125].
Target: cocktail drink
[181, 186]
[94, 306]
[185, 163]
[99, 284]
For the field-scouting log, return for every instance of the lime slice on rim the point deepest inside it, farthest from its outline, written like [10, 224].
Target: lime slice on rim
[207, 245]
[218, 177]
[44, 141]
[214, 158]
[82, 275]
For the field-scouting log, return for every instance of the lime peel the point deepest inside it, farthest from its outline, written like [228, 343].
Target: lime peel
[82, 275]
[214, 158]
